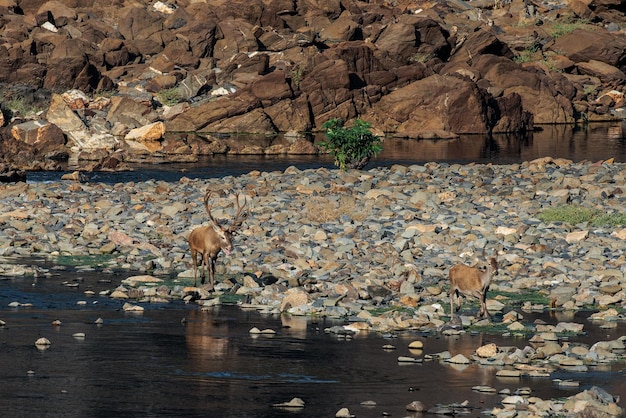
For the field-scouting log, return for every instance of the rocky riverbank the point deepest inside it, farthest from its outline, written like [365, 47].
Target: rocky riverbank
[387, 235]
[99, 85]
[371, 246]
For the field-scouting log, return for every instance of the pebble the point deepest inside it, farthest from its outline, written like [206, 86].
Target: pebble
[42, 342]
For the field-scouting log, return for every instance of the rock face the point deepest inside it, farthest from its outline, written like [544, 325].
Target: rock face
[256, 67]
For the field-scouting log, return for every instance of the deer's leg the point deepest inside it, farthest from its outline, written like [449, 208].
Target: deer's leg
[483, 305]
[212, 272]
[194, 260]
[205, 256]
[454, 293]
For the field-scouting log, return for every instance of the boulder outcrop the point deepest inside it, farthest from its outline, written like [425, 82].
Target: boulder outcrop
[412, 69]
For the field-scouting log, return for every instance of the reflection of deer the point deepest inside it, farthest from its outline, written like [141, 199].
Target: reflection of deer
[206, 339]
[471, 281]
[209, 240]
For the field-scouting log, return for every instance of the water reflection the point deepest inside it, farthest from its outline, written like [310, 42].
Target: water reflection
[593, 142]
[206, 339]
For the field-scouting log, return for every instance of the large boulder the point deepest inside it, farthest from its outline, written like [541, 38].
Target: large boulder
[540, 94]
[202, 115]
[436, 106]
[581, 45]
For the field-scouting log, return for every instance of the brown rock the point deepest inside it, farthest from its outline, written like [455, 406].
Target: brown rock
[179, 53]
[486, 351]
[291, 115]
[409, 110]
[41, 134]
[342, 29]
[294, 298]
[256, 121]
[605, 72]
[271, 88]
[147, 133]
[512, 116]
[581, 45]
[302, 146]
[198, 117]
[238, 36]
[130, 112]
[397, 43]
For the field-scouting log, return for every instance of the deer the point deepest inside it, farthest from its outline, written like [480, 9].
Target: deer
[211, 239]
[471, 281]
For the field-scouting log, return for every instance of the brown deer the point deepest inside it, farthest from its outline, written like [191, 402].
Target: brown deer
[472, 281]
[209, 240]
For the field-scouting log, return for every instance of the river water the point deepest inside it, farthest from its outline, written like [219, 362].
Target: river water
[175, 360]
[591, 143]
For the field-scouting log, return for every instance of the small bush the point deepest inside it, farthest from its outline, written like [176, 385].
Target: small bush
[566, 26]
[574, 214]
[170, 97]
[351, 147]
[23, 107]
[527, 55]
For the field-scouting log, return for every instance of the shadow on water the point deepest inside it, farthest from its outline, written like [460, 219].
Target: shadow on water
[176, 360]
[593, 142]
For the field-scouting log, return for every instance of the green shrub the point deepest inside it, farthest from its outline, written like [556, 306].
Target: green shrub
[527, 55]
[574, 214]
[170, 97]
[351, 147]
[23, 107]
[566, 26]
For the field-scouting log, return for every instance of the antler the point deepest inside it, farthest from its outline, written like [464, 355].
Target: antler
[207, 196]
[239, 218]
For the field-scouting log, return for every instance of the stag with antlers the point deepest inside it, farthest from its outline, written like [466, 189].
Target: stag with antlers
[209, 240]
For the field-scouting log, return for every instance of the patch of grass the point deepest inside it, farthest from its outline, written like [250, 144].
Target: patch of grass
[170, 97]
[383, 310]
[23, 107]
[100, 260]
[566, 26]
[322, 209]
[297, 74]
[521, 297]
[420, 57]
[527, 55]
[231, 298]
[610, 219]
[574, 214]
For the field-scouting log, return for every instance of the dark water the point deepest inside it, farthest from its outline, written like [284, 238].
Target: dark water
[155, 364]
[592, 143]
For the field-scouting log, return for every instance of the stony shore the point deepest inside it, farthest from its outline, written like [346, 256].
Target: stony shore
[371, 246]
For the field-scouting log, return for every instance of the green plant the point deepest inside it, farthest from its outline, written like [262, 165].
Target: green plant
[566, 26]
[420, 57]
[527, 55]
[170, 97]
[574, 214]
[297, 73]
[22, 107]
[351, 147]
